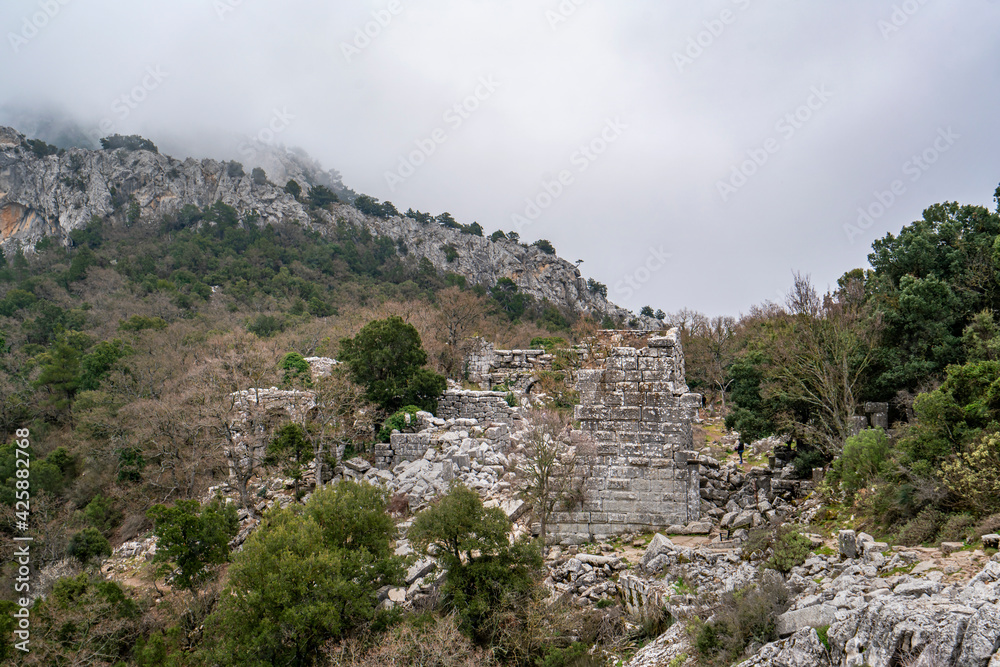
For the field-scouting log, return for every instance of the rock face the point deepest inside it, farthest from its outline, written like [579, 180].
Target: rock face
[636, 409]
[55, 194]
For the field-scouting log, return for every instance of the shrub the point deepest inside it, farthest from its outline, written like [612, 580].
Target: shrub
[545, 246]
[131, 142]
[990, 524]
[191, 538]
[293, 188]
[321, 196]
[957, 528]
[596, 287]
[141, 323]
[806, 461]
[304, 577]
[490, 581]
[744, 616]
[259, 176]
[423, 641]
[973, 475]
[89, 543]
[235, 170]
[864, 459]
[791, 548]
[922, 529]
[101, 514]
[400, 421]
[450, 252]
[265, 326]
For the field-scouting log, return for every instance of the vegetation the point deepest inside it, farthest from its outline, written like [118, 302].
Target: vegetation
[131, 142]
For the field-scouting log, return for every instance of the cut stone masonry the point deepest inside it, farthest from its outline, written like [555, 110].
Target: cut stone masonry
[636, 412]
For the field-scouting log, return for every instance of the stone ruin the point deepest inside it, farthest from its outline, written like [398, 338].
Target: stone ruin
[636, 412]
[516, 369]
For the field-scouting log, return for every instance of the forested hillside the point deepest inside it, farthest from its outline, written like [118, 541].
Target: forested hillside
[918, 330]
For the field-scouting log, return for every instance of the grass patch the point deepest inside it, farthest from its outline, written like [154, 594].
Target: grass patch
[823, 639]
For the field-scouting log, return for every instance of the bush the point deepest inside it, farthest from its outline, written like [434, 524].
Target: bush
[490, 582]
[423, 641]
[958, 528]
[806, 461]
[321, 196]
[744, 616]
[450, 252]
[545, 246]
[235, 170]
[101, 514]
[259, 176]
[987, 526]
[293, 188]
[973, 476]
[922, 529]
[404, 418]
[89, 543]
[304, 577]
[192, 538]
[865, 458]
[265, 326]
[131, 142]
[791, 548]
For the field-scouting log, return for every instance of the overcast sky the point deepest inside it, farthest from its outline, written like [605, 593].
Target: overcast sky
[738, 137]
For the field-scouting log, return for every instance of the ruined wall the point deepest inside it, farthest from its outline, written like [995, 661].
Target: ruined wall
[636, 412]
[483, 406]
[489, 367]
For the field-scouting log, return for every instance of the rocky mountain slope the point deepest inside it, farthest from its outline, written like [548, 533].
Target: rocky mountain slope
[51, 195]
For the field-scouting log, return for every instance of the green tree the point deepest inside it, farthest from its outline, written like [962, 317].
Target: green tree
[88, 544]
[507, 294]
[192, 538]
[97, 363]
[386, 357]
[545, 246]
[646, 311]
[292, 448]
[488, 577]
[293, 188]
[60, 374]
[297, 370]
[304, 578]
[321, 196]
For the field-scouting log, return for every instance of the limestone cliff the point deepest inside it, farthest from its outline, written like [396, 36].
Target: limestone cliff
[51, 195]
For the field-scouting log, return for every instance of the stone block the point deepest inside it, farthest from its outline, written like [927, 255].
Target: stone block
[809, 617]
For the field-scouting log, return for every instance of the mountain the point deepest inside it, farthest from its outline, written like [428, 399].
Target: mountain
[49, 192]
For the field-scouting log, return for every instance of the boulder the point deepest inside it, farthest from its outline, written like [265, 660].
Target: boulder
[948, 548]
[991, 541]
[660, 544]
[810, 617]
[803, 649]
[916, 588]
[419, 570]
[981, 637]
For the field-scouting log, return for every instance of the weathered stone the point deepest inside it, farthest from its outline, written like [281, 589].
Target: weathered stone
[419, 570]
[847, 541]
[982, 637]
[916, 588]
[659, 545]
[810, 617]
[948, 548]
[991, 541]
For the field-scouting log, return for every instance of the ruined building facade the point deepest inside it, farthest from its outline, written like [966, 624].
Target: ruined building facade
[635, 414]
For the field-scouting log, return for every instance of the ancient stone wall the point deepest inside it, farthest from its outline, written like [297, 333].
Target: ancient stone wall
[467, 437]
[517, 369]
[636, 412]
[483, 406]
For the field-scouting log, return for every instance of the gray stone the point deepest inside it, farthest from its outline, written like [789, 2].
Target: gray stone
[847, 541]
[948, 548]
[982, 637]
[916, 588]
[809, 617]
[659, 545]
[419, 570]
[991, 541]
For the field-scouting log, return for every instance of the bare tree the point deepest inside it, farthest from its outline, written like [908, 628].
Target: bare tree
[237, 411]
[342, 416]
[820, 356]
[551, 471]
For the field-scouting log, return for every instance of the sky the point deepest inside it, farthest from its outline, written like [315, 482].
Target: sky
[691, 154]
